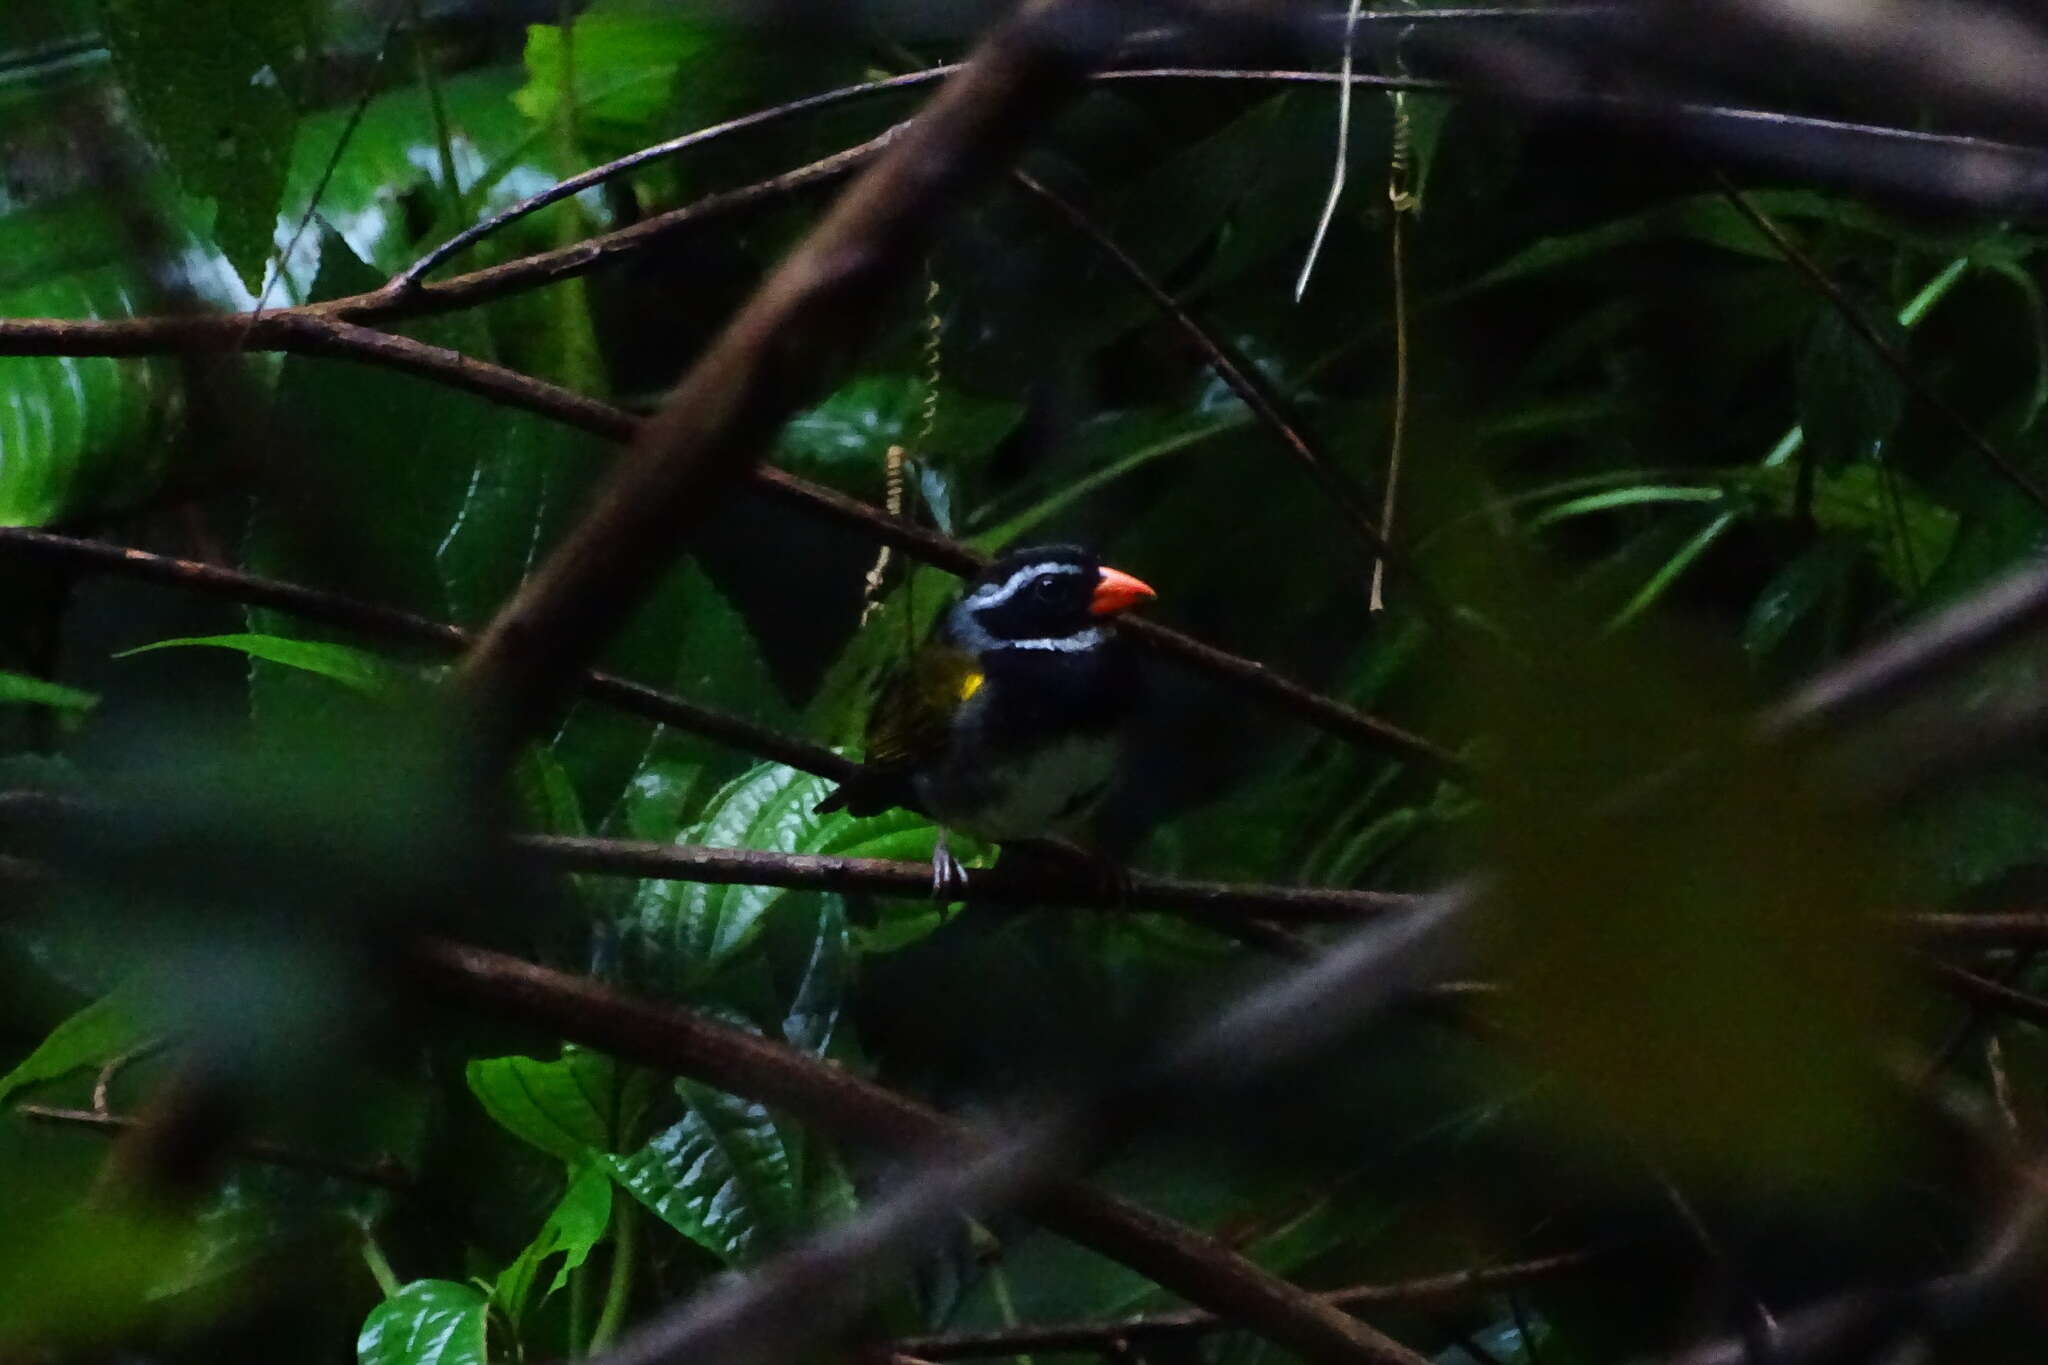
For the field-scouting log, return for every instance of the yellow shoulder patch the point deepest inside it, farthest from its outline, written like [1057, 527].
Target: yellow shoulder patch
[970, 683]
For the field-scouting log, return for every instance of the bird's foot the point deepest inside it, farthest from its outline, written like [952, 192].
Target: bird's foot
[949, 878]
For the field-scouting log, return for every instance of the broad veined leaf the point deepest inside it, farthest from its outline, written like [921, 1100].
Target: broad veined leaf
[581, 1103]
[78, 433]
[724, 1176]
[19, 687]
[356, 669]
[447, 500]
[94, 1036]
[572, 1231]
[684, 931]
[429, 1322]
[208, 83]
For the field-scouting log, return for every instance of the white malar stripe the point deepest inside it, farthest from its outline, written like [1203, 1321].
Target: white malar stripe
[1064, 644]
[1002, 592]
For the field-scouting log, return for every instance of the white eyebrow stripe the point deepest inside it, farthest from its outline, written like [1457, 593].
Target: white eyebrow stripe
[1064, 644]
[998, 593]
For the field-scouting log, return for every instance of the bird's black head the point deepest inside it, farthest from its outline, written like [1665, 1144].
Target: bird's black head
[1049, 597]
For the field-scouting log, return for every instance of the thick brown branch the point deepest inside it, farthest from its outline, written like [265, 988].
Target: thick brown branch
[1113, 1336]
[1004, 884]
[1194, 1266]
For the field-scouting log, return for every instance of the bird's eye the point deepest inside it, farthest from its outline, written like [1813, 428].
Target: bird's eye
[1046, 588]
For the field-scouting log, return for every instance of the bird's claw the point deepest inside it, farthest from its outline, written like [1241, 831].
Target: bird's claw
[949, 878]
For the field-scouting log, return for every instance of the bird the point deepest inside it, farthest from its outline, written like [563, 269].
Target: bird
[1006, 722]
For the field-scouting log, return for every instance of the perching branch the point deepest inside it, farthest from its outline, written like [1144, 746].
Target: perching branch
[1196, 1267]
[1004, 884]
[1374, 967]
[776, 355]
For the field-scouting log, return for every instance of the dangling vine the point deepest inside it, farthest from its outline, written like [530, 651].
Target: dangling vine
[894, 463]
[1401, 199]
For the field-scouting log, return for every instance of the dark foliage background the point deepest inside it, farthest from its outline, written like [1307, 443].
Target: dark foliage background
[1652, 478]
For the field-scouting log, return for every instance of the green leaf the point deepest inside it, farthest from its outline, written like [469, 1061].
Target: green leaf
[844, 440]
[1907, 533]
[208, 82]
[685, 931]
[547, 795]
[78, 434]
[429, 1322]
[392, 153]
[625, 67]
[582, 1103]
[357, 669]
[572, 1231]
[94, 1036]
[1850, 402]
[724, 1176]
[38, 692]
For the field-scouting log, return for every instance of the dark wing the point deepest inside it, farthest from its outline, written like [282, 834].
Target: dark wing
[909, 727]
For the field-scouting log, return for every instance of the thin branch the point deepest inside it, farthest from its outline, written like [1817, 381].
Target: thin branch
[1856, 1325]
[415, 274]
[389, 623]
[385, 1174]
[773, 357]
[1114, 1335]
[1990, 995]
[1038, 883]
[1243, 378]
[1894, 359]
[1198, 1268]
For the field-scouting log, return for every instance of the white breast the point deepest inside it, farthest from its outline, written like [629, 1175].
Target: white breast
[1039, 795]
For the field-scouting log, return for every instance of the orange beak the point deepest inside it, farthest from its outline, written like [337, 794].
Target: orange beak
[1115, 591]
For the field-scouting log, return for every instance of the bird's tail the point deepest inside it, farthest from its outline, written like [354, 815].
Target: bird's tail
[867, 792]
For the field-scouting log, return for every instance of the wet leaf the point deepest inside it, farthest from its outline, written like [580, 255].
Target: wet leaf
[429, 1322]
[723, 1176]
